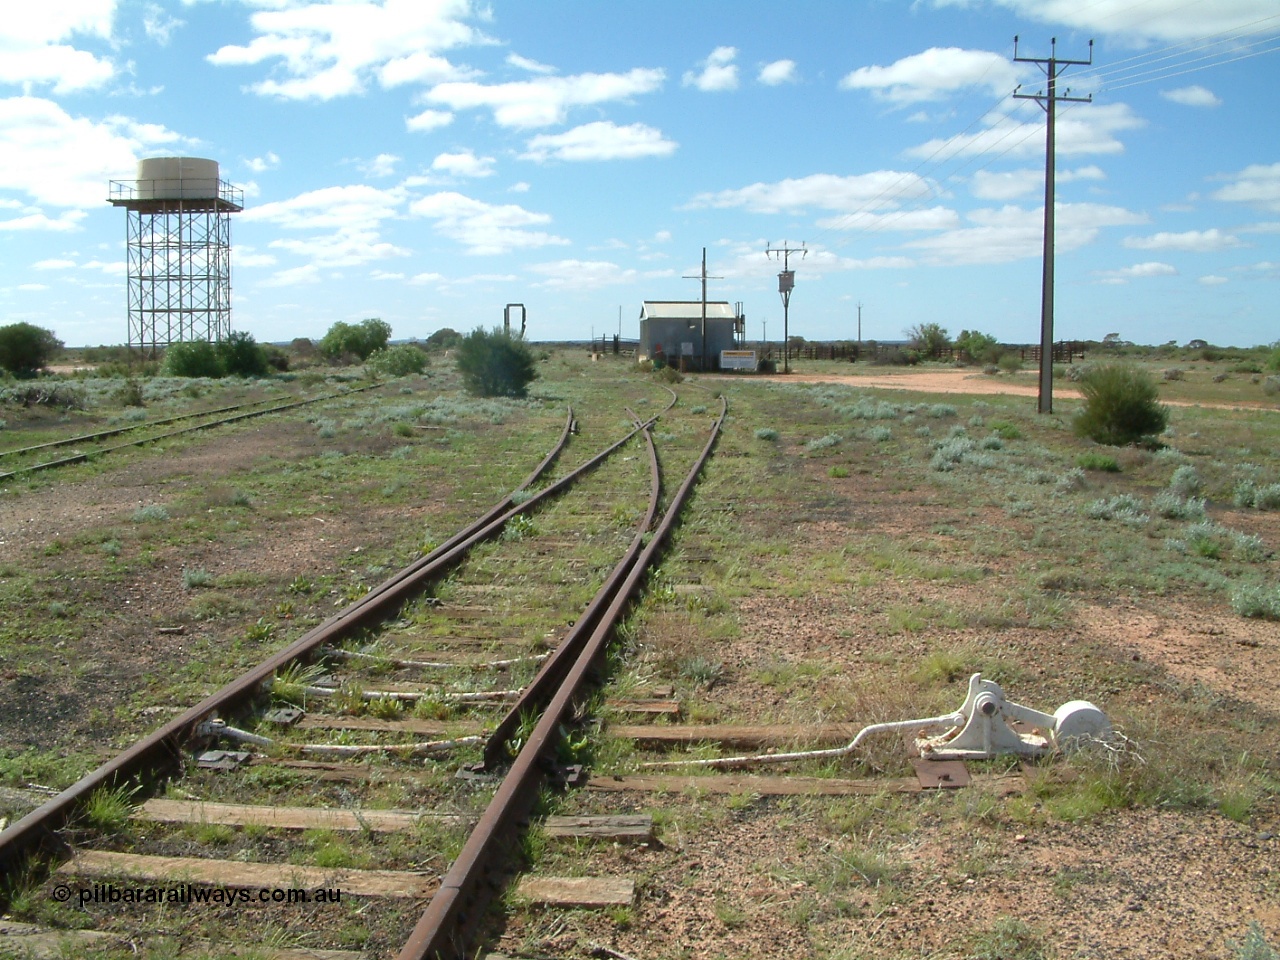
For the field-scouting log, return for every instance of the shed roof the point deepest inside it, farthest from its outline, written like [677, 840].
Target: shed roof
[685, 310]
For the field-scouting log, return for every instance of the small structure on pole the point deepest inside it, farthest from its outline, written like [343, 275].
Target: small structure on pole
[1052, 68]
[786, 282]
[178, 242]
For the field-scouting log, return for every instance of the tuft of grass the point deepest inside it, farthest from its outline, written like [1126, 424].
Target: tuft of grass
[196, 578]
[823, 443]
[766, 433]
[838, 473]
[151, 513]
[1097, 461]
[1255, 945]
[1256, 601]
[109, 809]
[1010, 939]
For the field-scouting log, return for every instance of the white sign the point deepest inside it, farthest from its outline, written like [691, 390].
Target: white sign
[737, 359]
[686, 349]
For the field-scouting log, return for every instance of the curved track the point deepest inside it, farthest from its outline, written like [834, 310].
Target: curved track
[532, 727]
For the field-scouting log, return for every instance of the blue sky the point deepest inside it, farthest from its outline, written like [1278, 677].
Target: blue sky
[428, 161]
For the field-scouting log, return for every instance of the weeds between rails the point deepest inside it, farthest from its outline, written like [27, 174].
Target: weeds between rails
[347, 691]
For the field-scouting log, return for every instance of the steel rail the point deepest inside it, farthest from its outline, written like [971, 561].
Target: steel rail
[83, 457]
[444, 930]
[538, 693]
[116, 431]
[164, 745]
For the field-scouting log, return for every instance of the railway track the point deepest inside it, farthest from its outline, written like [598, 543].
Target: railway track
[396, 752]
[21, 461]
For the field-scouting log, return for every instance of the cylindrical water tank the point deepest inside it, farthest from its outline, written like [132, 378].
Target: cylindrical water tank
[177, 178]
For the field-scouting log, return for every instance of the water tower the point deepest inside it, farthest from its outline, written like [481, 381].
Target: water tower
[179, 251]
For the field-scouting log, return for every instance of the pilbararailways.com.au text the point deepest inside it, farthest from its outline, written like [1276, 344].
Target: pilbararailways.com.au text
[194, 894]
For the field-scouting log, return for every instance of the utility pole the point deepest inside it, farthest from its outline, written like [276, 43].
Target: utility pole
[704, 278]
[859, 324]
[1052, 68]
[786, 281]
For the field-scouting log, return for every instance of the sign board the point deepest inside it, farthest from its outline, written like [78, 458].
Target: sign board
[686, 349]
[737, 359]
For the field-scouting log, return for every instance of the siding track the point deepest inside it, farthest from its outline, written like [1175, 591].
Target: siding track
[476, 659]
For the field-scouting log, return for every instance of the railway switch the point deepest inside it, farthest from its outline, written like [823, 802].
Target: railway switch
[987, 729]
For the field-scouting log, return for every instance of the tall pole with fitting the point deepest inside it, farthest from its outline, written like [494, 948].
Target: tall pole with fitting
[786, 282]
[1052, 68]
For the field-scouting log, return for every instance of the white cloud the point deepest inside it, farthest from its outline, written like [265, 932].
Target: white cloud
[327, 50]
[1011, 184]
[718, 72]
[67, 220]
[1193, 96]
[778, 72]
[1192, 241]
[344, 224]
[662, 236]
[1012, 233]
[31, 51]
[428, 120]
[385, 275]
[519, 187]
[1087, 130]
[933, 218]
[383, 165]
[524, 63]
[825, 191]
[159, 26]
[294, 276]
[66, 161]
[421, 279]
[54, 264]
[463, 164]
[578, 275]
[33, 287]
[1139, 271]
[934, 74]
[1212, 280]
[1257, 185]
[262, 164]
[1135, 23]
[485, 228]
[601, 140]
[545, 100]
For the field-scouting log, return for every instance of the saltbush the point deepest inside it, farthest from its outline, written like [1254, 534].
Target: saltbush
[399, 361]
[494, 364]
[1120, 406]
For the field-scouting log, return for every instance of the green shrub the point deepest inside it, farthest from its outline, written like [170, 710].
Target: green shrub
[766, 433]
[1185, 482]
[1256, 601]
[25, 349]
[355, 339]
[1120, 406]
[195, 358]
[1009, 362]
[400, 361]
[240, 356]
[1097, 461]
[494, 364]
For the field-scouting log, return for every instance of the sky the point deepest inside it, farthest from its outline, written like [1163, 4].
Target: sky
[430, 161]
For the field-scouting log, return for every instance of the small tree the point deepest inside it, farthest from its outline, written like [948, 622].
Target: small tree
[978, 347]
[930, 339]
[241, 356]
[1120, 405]
[355, 339]
[494, 364]
[25, 349]
[446, 338]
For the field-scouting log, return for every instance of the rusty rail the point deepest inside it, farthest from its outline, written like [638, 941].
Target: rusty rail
[445, 929]
[84, 457]
[163, 747]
